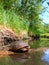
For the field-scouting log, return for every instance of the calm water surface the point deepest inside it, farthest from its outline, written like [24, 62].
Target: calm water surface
[34, 58]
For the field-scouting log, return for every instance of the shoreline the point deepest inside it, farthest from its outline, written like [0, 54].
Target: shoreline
[4, 52]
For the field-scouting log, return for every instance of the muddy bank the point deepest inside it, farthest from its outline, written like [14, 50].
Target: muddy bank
[7, 34]
[4, 53]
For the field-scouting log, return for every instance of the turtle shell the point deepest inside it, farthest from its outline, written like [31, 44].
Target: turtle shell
[19, 45]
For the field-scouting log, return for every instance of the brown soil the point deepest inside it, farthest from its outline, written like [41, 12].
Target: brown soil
[8, 33]
[4, 53]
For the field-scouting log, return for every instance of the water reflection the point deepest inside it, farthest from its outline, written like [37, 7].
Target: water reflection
[45, 56]
[33, 58]
[20, 57]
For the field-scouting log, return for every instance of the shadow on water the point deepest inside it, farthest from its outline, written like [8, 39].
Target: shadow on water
[33, 58]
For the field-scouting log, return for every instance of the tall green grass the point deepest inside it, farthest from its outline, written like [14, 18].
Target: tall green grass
[12, 19]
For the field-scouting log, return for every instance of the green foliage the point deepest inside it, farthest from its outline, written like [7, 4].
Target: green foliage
[46, 28]
[16, 22]
[39, 43]
[22, 15]
[13, 20]
[10, 17]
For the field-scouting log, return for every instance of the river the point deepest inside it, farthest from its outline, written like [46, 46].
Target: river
[33, 58]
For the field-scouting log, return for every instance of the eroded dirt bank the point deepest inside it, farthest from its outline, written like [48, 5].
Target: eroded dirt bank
[7, 35]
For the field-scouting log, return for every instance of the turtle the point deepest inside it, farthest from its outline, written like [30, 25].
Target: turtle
[19, 46]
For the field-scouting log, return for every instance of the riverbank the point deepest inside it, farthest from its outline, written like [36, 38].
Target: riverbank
[4, 53]
[8, 35]
[38, 49]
